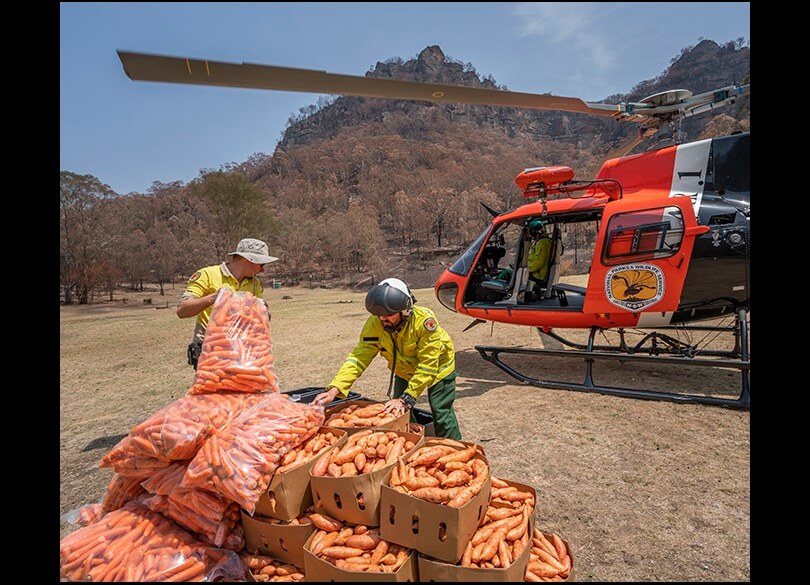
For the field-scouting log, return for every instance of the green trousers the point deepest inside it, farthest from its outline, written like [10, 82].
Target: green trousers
[440, 396]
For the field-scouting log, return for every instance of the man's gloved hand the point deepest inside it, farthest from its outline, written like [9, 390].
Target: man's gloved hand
[325, 397]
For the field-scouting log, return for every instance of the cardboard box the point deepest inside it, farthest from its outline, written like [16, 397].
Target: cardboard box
[257, 577]
[320, 570]
[399, 424]
[281, 541]
[356, 498]
[435, 530]
[291, 488]
[431, 569]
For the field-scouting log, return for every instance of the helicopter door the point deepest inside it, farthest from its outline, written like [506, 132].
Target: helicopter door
[641, 258]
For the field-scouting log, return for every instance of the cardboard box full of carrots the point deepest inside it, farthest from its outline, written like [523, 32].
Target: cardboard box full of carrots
[357, 415]
[509, 551]
[436, 497]
[288, 493]
[346, 483]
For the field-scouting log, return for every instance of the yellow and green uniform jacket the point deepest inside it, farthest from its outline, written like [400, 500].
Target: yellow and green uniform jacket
[209, 280]
[424, 353]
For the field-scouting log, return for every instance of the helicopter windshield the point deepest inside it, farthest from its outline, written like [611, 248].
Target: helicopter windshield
[464, 263]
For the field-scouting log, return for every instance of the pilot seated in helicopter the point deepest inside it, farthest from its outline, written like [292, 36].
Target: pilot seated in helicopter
[539, 259]
[538, 263]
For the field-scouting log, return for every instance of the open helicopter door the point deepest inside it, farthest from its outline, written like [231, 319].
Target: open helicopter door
[641, 258]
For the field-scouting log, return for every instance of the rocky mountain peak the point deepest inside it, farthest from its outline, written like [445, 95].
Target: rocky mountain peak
[430, 60]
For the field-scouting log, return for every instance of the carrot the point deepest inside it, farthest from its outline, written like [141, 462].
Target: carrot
[530, 576]
[343, 535]
[325, 522]
[379, 552]
[542, 569]
[363, 541]
[559, 546]
[429, 454]
[341, 552]
[549, 559]
[466, 558]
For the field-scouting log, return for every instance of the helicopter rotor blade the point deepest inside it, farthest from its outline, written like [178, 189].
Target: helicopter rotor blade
[491, 211]
[664, 105]
[146, 67]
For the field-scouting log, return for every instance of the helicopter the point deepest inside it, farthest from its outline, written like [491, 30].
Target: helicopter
[671, 228]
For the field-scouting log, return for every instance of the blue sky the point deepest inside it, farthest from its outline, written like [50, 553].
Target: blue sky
[129, 134]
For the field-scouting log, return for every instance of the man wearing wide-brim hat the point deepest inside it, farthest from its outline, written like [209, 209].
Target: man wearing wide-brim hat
[239, 272]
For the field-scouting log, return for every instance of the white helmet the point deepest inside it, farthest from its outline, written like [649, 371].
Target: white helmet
[388, 297]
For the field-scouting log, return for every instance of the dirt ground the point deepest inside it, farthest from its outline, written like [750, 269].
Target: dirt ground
[643, 490]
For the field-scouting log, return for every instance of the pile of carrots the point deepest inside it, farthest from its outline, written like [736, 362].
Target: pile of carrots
[443, 472]
[307, 450]
[175, 433]
[201, 511]
[240, 459]
[504, 532]
[355, 548]
[120, 490]
[269, 569]
[549, 560]
[136, 544]
[357, 415]
[364, 452]
[236, 351]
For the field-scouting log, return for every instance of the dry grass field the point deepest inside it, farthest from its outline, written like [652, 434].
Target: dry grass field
[643, 490]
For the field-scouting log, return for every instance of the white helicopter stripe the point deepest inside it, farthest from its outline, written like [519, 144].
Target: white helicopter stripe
[689, 172]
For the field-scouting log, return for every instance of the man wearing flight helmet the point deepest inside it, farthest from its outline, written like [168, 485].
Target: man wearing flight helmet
[540, 254]
[419, 353]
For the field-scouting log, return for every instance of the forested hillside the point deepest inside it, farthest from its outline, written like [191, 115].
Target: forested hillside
[359, 188]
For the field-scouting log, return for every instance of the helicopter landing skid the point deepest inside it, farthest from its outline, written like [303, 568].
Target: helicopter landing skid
[743, 363]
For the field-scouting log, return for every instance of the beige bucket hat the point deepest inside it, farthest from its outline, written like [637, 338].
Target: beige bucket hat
[254, 250]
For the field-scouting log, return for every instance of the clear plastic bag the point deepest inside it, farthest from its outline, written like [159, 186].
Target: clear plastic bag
[134, 543]
[202, 512]
[239, 461]
[175, 433]
[236, 351]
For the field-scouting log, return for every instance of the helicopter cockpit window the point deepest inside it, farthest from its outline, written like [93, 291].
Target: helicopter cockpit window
[464, 263]
[643, 235]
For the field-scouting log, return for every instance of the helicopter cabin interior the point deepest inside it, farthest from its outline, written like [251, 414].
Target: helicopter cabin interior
[502, 279]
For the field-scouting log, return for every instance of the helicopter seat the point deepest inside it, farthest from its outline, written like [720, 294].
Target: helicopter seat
[553, 269]
[498, 285]
[520, 279]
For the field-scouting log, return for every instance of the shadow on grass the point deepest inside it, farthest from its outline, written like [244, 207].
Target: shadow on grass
[104, 442]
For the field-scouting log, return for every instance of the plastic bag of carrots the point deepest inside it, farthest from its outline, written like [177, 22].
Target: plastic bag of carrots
[239, 460]
[175, 433]
[204, 513]
[135, 544]
[120, 490]
[236, 351]
[83, 515]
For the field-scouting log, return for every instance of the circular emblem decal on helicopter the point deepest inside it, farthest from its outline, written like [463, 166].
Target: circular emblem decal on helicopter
[634, 286]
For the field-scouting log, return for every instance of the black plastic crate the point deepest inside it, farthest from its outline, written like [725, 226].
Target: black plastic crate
[424, 418]
[307, 395]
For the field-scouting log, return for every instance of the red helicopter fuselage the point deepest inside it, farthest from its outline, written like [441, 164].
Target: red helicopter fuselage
[671, 244]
